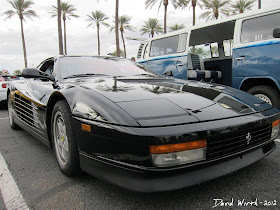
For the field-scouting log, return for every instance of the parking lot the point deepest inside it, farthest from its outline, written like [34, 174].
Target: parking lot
[42, 185]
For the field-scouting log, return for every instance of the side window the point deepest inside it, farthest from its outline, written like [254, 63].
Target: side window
[260, 28]
[168, 45]
[214, 50]
[182, 43]
[202, 49]
[208, 50]
[47, 67]
[228, 44]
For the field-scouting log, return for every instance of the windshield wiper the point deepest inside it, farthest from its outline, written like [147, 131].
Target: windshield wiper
[151, 75]
[84, 75]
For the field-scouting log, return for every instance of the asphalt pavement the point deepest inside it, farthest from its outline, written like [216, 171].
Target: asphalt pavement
[42, 185]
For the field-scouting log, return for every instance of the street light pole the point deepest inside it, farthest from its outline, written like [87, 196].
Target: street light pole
[260, 4]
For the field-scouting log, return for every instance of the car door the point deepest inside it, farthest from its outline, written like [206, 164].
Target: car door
[169, 54]
[257, 53]
[31, 97]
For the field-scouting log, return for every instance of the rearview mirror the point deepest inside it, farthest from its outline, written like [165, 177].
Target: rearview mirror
[35, 73]
[276, 33]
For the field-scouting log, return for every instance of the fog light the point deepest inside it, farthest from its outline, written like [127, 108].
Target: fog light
[275, 128]
[178, 158]
[177, 154]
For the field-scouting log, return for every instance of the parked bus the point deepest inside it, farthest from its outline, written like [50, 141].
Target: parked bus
[242, 51]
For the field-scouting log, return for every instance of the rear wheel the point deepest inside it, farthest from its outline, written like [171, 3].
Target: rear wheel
[267, 94]
[64, 139]
[13, 125]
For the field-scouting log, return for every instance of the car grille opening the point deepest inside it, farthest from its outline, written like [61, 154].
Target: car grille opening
[238, 140]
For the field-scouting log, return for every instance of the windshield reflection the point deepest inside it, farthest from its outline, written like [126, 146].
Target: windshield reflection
[111, 66]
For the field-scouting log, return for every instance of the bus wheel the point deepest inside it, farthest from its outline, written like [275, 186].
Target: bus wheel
[267, 94]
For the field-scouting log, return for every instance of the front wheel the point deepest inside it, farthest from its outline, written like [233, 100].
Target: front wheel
[13, 125]
[64, 139]
[267, 94]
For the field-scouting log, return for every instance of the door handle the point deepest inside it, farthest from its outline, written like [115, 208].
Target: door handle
[240, 58]
[179, 63]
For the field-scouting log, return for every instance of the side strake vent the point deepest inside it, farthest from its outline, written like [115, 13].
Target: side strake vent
[140, 51]
[26, 111]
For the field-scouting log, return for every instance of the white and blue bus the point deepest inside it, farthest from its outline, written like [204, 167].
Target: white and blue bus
[242, 51]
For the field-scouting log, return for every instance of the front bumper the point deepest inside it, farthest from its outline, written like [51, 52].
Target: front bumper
[154, 180]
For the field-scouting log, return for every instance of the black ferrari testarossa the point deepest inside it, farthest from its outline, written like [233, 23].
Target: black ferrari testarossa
[125, 124]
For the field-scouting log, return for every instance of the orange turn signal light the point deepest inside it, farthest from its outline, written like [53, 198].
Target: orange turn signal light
[275, 123]
[86, 127]
[167, 148]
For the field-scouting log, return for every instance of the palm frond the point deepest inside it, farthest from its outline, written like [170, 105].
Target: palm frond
[30, 14]
[97, 18]
[9, 14]
[21, 8]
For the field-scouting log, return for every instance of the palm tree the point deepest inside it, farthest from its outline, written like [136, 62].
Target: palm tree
[176, 27]
[242, 5]
[151, 3]
[215, 8]
[117, 31]
[115, 53]
[17, 72]
[124, 23]
[184, 3]
[151, 27]
[21, 8]
[97, 18]
[60, 43]
[67, 12]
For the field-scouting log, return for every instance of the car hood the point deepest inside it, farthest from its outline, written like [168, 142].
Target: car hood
[168, 101]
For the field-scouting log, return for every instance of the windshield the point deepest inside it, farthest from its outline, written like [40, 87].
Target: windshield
[111, 66]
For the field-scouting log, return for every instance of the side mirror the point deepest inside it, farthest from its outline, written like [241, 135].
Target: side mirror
[35, 73]
[30, 73]
[276, 33]
[168, 73]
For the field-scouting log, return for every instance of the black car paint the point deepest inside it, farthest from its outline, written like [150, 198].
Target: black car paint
[127, 115]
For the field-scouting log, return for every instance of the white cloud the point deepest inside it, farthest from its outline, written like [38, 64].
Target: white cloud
[41, 33]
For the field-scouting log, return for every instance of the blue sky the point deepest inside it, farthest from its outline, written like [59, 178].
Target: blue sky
[41, 33]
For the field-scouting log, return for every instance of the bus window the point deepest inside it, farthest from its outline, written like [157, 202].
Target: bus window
[182, 43]
[228, 44]
[214, 50]
[164, 46]
[209, 50]
[202, 49]
[260, 28]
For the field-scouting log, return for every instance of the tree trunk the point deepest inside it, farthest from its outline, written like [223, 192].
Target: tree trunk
[64, 22]
[23, 44]
[60, 43]
[117, 29]
[193, 7]
[98, 39]
[165, 14]
[124, 49]
[216, 14]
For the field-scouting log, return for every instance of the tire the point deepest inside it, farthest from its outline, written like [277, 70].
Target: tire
[13, 125]
[266, 93]
[64, 139]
